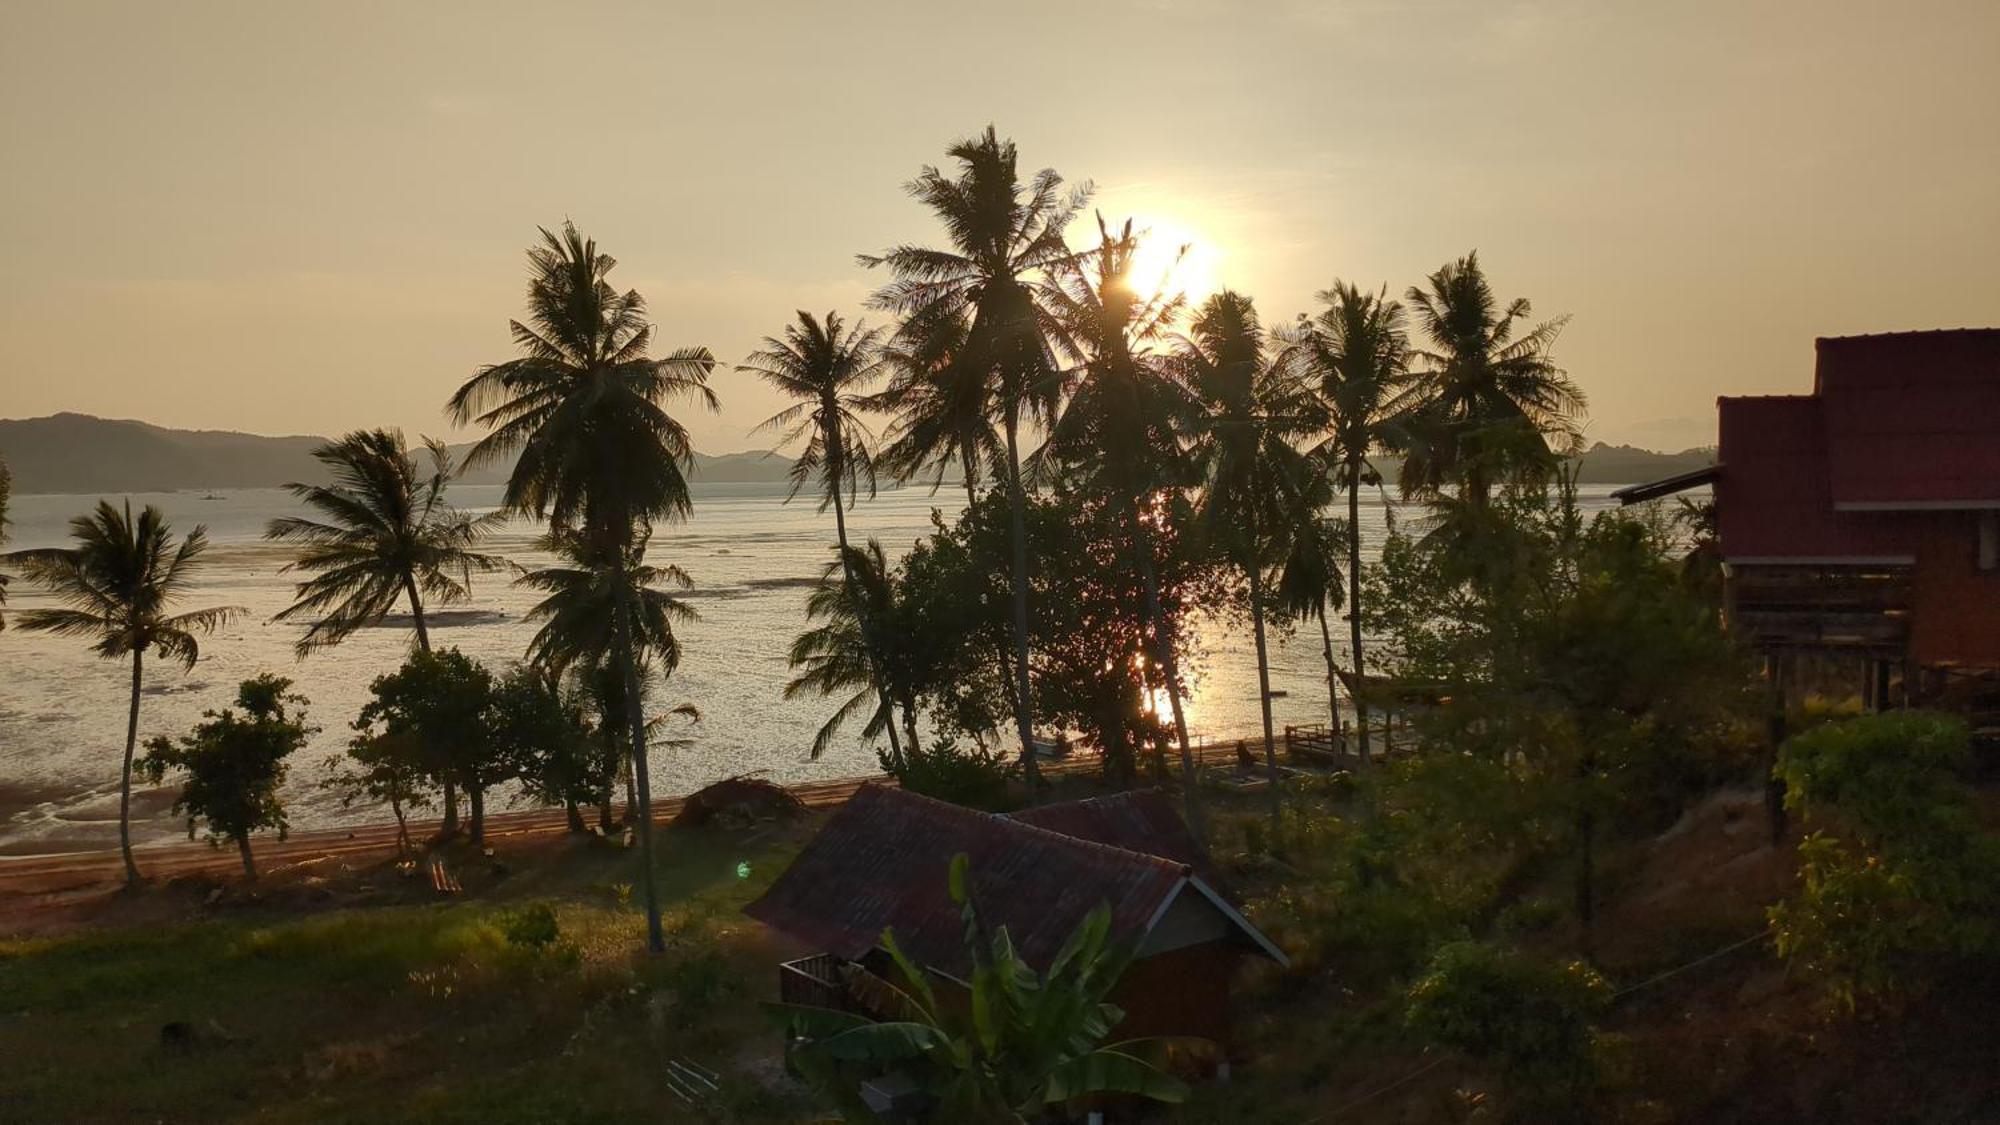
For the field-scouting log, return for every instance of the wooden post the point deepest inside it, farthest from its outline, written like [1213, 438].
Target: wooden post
[1774, 789]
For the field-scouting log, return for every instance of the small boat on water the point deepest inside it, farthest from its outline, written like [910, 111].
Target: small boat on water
[212, 496]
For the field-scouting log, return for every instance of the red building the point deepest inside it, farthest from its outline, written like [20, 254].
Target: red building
[1863, 520]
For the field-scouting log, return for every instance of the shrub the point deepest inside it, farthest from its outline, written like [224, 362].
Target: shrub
[976, 778]
[533, 926]
[1532, 1019]
[1901, 884]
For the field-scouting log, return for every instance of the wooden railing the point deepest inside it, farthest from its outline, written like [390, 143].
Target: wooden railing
[813, 981]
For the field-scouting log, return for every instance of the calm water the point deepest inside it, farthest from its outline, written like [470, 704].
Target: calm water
[62, 710]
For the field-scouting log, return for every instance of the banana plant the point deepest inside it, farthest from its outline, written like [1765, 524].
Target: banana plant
[1020, 1042]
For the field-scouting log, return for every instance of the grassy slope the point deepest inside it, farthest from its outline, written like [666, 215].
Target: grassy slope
[408, 1008]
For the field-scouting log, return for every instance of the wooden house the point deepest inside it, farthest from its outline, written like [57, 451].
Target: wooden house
[882, 861]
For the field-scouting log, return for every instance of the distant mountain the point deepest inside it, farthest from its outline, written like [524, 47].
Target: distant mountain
[1624, 464]
[81, 453]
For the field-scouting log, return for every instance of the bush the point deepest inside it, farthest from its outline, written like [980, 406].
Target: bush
[533, 926]
[1901, 884]
[1531, 1018]
[976, 778]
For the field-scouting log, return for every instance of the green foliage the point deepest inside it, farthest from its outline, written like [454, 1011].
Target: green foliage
[1531, 1018]
[234, 764]
[437, 709]
[975, 777]
[1904, 882]
[1027, 1039]
[533, 926]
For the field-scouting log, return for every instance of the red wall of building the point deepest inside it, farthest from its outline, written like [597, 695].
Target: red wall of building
[1185, 992]
[1954, 606]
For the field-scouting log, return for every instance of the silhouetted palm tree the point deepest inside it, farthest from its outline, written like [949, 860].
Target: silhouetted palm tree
[1004, 237]
[119, 583]
[1125, 428]
[838, 656]
[1253, 474]
[385, 532]
[599, 456]
[584, 408]
[1486, 399]
[1357, 349]
[1309, 581]
[824, 366]
[6, 491]
[940, 403]
[604, 607]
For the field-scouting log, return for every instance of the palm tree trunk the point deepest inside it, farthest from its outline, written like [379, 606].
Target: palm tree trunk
[1332, 695]
[655, 937]
[1024, 706]
[1264, 689]
[1006, 665]
[450, 825]
[125, 778]
[834, 465]
[1354, 599]
[249, 865]
[1163, 656]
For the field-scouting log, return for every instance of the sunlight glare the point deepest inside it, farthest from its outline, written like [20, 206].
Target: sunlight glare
[1162, 266]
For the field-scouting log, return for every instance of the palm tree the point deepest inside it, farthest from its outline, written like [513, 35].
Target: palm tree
[1309, 580]
[604, 607]
[823, 365]
[1486, 398]
[119, 583]
[385, 533]
[1252, 471]
[1124, 429]
[1357, 349]
[584, 407]
[838, 655]
[599, 456]
[6, 490]
[1003, 239]
[941, 406]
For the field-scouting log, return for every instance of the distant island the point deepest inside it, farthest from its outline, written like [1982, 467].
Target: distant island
[79, 453]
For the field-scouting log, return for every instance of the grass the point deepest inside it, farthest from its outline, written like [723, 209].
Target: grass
[410, 1012]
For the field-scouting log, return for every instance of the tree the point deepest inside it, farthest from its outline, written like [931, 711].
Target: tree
[1123, 433]
[443, 700]
[235, 764]
[824, 367]
[1357, 349]
[1254, 476]
[599, 456]
[381, 768]
[842, 655]
[607, 609]
[1486, 400]
[1309, 583]
[119, 583]
[543, 730]
[939, 401]
[6, 490]
[385, 533]
[1004, 238]
[1028, 1039]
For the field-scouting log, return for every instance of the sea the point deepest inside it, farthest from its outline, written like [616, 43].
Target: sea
[750, 554]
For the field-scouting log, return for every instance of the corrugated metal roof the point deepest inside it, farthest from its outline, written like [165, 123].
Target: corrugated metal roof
[883, 859]
[1774, 500]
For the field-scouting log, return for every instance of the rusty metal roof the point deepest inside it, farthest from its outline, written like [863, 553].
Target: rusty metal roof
[883, 859]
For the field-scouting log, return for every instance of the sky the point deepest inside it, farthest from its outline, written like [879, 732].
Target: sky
[311, 217]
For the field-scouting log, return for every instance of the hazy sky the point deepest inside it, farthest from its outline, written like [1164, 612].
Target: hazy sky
[285, 217]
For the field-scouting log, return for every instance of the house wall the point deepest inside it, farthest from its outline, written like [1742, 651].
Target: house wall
[1955, 605]
[1183, 992]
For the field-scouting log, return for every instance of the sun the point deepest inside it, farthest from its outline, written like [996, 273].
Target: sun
[1174, 257]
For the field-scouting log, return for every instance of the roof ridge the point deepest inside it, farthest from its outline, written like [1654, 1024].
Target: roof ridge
[1032, 829]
